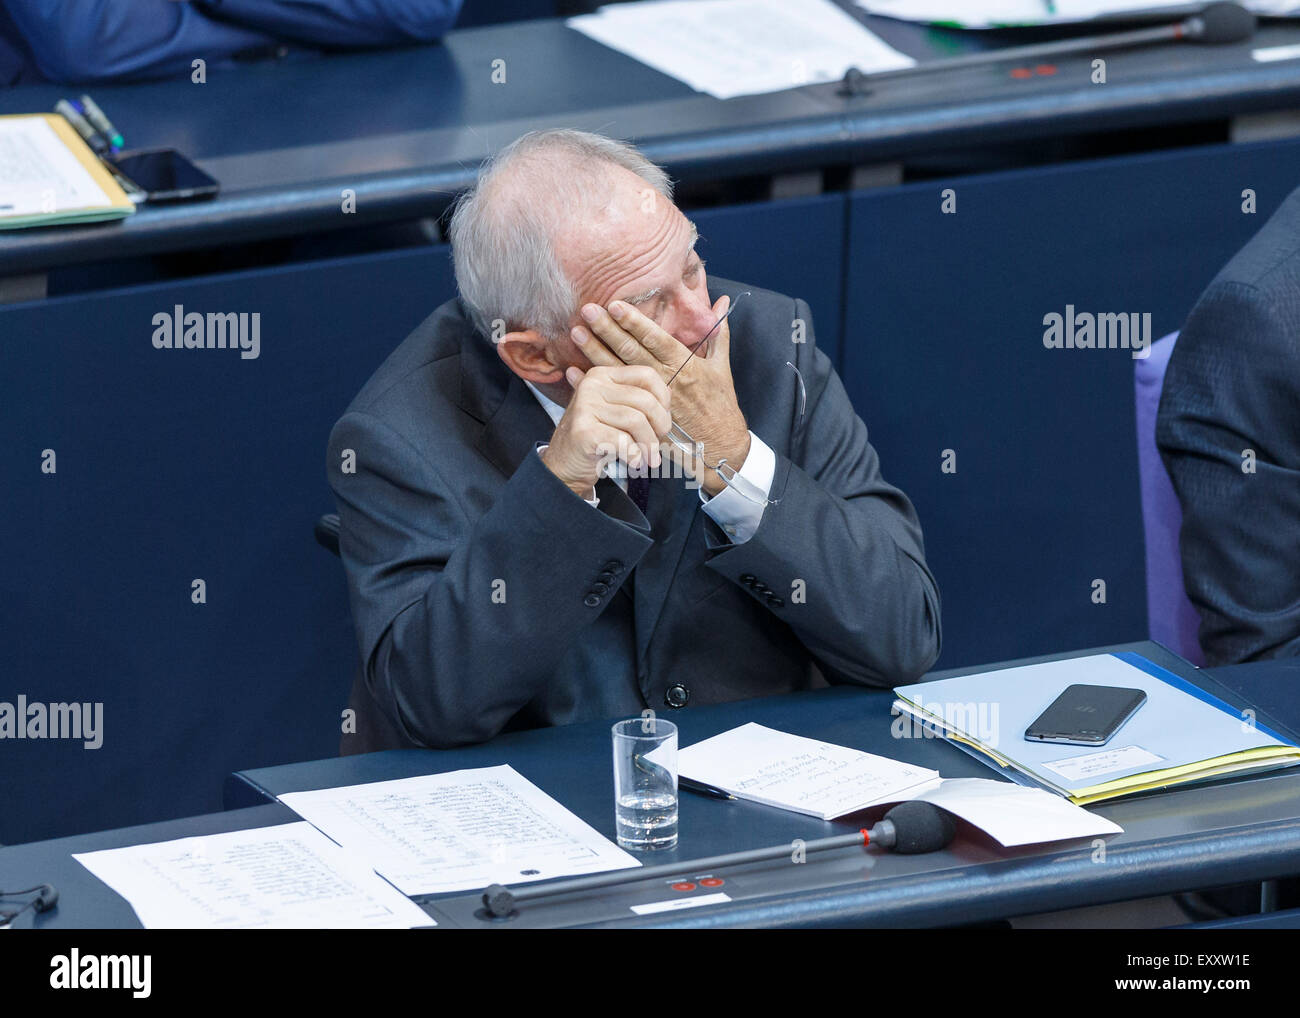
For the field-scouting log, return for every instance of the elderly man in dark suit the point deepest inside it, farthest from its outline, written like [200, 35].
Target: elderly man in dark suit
[1229, 434]
[523, 549]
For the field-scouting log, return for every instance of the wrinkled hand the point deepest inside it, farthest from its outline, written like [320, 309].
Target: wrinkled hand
[616, 412]
[703, 395]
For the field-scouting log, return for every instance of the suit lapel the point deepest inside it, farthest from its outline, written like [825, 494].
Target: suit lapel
[514, 430]
[513, 421]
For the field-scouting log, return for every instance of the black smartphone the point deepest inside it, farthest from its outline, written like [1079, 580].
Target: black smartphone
[1086, 715]
[165, 176]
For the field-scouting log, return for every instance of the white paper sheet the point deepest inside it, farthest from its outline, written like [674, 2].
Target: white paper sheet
[1016, 815]
[791, 772]
[1000, 13]
[1107, 761]
[285, 877]
[39, 174]
[459, 831]
[729, 48]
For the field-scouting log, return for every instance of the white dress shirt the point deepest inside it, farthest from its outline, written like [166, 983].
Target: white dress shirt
[738, 516]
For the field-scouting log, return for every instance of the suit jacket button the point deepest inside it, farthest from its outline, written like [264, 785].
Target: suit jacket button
[591, 600]
[775, 602]
[599, 588]
[606, 577]
[763, 588]
[747, 579]
[614, 566]
[677, 695]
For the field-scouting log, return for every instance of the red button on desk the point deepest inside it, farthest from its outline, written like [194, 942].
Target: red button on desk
[712, 882]
[1022, 72]
[1045, 69]
[685, 885]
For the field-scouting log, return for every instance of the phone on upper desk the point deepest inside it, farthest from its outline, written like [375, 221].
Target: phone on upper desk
[164, 175]
[1086, 715]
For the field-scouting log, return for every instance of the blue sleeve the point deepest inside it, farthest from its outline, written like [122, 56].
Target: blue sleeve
[100, 40]
[342, 23]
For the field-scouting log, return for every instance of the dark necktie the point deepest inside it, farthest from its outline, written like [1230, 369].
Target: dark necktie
[638, 490]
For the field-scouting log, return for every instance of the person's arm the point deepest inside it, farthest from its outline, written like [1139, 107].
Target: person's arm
[342, 23]
[1233, 385]
[462, 617]
[104, 40]
[840, 538]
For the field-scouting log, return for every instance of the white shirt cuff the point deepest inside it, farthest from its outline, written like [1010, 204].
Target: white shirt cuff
[594, 501]
[738, 516]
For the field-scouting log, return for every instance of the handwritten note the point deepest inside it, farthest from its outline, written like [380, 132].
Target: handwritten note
[804, 775]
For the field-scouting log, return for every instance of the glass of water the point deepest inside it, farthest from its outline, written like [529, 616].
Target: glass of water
[645, 783]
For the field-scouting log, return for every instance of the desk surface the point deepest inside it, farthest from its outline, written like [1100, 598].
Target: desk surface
[1179, 840]
[406, 129]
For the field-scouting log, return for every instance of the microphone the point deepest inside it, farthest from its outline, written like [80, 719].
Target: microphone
[909, 828]
[47, 896]
[1217, 24]
[914, 827]
[1220, 24]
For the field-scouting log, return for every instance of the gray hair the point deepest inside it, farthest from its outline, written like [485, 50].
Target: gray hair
[502, 229]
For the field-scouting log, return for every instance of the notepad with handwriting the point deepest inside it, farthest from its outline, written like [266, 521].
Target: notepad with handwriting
[49, 176]
[791, 772]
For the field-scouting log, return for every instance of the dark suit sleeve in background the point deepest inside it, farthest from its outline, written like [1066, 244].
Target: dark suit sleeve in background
[342, 23]
[461, 618]
[103, 40]
[1233, 383]
[838, 534]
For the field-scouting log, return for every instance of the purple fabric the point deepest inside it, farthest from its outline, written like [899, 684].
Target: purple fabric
[1170, 616]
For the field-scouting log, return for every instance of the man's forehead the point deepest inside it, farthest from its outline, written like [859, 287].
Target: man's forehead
[692, 237]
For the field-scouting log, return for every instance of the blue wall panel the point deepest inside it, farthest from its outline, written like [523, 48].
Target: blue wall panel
[944, 349]
[794, 247]
[171, 466]
[176, 465]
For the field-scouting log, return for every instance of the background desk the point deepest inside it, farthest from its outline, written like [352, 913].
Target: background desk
[405, 130]
[174, 466]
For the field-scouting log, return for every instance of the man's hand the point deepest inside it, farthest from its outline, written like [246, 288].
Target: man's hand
[703, 395]
[617, 412]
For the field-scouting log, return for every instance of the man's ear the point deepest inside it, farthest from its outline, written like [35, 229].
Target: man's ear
[528, 355]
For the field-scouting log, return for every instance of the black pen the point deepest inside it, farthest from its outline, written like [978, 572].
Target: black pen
[82, 126]
[703, 789]
[100, 122]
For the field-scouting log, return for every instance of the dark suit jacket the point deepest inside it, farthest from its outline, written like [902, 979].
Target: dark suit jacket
[487, 596]
[1233, 383]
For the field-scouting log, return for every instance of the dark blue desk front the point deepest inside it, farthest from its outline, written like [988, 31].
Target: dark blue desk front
[1179, 840]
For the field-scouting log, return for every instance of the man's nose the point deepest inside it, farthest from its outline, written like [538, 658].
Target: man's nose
[702, 320]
